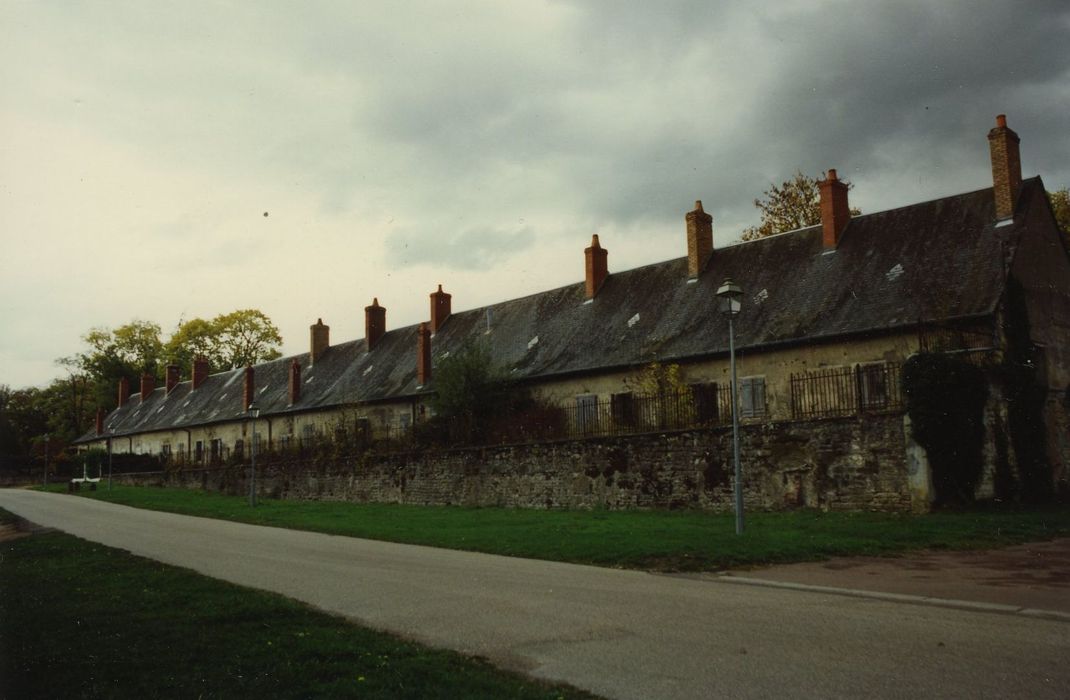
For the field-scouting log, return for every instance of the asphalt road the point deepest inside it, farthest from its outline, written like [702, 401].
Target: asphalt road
[622, 634]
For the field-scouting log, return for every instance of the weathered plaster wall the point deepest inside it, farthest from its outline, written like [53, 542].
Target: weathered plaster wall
[1042, 266]
[836, 464]
[387, 418]
[776, 366]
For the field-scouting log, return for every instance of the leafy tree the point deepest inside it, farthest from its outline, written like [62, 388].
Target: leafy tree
[21, 419]
[1060, 205]
[63, 410]
[192, 339]
[236, 339]
[469, 391]
[793, 204]
[247, 337]
[70, 404]
[229, 340]
[128, 351]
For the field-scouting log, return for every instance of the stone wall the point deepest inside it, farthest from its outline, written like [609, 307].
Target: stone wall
[832, 464]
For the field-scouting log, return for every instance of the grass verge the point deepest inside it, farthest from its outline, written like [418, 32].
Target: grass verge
[654, 540]
[78, 619]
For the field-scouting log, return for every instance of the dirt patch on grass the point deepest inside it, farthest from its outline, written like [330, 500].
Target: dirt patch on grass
[11, 531]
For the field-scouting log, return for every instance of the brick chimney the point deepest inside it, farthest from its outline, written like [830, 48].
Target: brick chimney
[699, 240]
[440, 308]
[1006, 167]
[321, 340]
[597, 270]
[100, 421]
[423, 354]
[295, 381]
[124, 391]
[172, 378]
[374, 323]
[249, 390]
[835, 212]
[200, 371]
[148, 385]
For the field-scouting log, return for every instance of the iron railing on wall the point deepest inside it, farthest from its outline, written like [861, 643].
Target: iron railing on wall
[825, 393]
[846, 391]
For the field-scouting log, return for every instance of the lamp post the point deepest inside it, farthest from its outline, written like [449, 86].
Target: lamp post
[47, 438]
[254, 412]
[731, 297]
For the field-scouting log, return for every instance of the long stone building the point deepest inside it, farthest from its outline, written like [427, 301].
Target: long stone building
[862, 293]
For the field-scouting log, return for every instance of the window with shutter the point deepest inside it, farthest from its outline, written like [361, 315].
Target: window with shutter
[587, 412]
[752, 397]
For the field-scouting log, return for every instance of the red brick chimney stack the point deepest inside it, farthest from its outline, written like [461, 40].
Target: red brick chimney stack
[320, 336]
[699, 240]
[295, 381]
[596, 267]
[148, 385]
[124, 391]
[1006, 167]
[172, 378]
[100, 421]
[423, 354]
[835, 212]
[200, 371]
[374, 323]
[440, 308]
[249, 390]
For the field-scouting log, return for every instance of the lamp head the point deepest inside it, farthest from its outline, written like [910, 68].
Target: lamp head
[731, 296]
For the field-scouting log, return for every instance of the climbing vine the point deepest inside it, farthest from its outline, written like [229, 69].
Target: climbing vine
[945, 401]
[1025, 399]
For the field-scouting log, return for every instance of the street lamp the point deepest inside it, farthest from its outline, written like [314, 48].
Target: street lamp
[47, 439]
[254, 413]
[731, 297]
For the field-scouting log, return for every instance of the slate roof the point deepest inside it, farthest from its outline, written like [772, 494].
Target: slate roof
[933, 261]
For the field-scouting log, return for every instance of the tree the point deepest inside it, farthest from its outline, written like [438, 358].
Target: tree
[1060, 206]
[21, 419]
[240, 338]
[247, 337]
[128, 351]
[469, 392]
[192, 339]
[229, 340]
[792, 205]
[63, 410]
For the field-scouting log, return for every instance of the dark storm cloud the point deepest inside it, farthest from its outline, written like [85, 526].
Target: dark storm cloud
[627, 109]
[470, 249]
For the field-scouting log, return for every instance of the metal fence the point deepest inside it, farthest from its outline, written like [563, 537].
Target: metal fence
[846, 391]
[827, 393]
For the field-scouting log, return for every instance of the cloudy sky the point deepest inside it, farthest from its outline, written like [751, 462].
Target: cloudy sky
[164, 161]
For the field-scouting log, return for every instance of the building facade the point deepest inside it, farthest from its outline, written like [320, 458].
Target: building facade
[850, 297]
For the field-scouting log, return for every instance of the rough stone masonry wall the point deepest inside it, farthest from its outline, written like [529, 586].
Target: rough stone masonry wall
[832, 464]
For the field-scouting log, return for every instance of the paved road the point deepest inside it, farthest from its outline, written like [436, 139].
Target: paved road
[623, 634]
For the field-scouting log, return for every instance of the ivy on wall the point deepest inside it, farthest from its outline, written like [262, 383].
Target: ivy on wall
[945, 401]
[1025, 399]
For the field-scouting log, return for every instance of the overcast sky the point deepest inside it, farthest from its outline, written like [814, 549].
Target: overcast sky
[165, 161]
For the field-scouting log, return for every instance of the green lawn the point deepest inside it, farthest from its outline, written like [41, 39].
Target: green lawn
[78, 619]
[656, 540]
